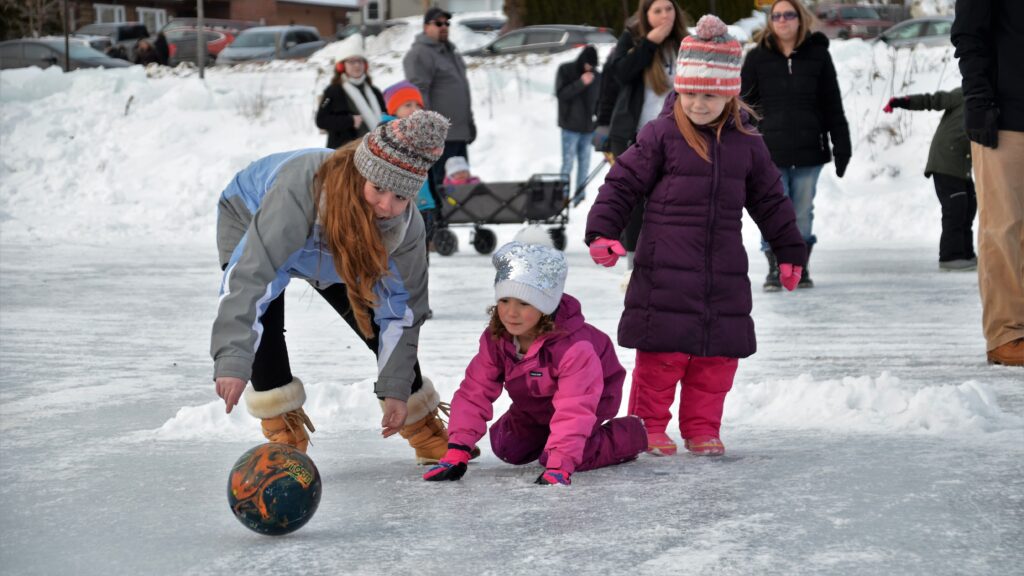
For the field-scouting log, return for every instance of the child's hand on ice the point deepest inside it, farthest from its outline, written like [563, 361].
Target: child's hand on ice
[554, 477]
[451, 466]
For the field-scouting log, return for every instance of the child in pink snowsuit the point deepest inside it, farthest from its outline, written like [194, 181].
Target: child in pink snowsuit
[561, 373]
[687, 308]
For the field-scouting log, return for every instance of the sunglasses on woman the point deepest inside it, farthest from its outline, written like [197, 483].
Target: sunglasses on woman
[787, 16]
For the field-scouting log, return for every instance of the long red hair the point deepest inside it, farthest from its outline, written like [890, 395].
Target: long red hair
[350, 231]
[733, 110]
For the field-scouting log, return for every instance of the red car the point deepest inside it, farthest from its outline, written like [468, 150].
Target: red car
[182, 35]
[849, 21]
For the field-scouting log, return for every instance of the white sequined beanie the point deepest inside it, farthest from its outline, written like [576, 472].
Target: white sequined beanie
[396, 155]
[532, 273]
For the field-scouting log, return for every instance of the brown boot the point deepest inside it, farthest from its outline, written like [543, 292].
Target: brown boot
[1009, 354]
[424, 429]
[281, 411]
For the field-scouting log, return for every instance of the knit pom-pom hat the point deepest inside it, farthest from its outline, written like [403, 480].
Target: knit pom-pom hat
[709, 62]
[400, 93]
[396, 155]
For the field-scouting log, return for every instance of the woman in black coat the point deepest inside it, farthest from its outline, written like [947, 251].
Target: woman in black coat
[351, 105]
[789, 78]
[644, 66]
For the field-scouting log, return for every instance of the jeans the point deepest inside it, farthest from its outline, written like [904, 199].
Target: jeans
[800, 183]
[576, 146]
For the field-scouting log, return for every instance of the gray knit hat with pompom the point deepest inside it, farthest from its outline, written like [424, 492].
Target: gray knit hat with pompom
[396, 155]
[532, 273]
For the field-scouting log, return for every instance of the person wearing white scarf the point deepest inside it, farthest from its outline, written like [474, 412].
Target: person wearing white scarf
[351, 105]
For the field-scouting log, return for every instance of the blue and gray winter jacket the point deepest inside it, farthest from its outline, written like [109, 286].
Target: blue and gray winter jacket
[268, 233]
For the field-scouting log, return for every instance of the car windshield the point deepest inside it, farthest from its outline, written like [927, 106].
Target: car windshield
[254, 40]
[859, 13]
[78, 51]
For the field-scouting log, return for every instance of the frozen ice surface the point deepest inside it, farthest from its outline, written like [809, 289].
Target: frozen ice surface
[866, 436]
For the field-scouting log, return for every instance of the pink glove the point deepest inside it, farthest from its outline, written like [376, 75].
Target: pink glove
[451, 466]
[554, 477]
[606, 252]
[790, 275]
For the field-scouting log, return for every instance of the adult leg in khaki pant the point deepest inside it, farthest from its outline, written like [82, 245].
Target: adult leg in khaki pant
[1000, 185]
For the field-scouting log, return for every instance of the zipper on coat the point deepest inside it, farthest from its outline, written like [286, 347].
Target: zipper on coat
[789, 62]
[707, 245]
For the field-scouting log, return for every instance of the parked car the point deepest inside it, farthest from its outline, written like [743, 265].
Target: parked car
[483, 23]
[544, 39]
[49, 51]
[930, 31]
[265, 43]
[182, 35]
[371, 29]
[850, 21]
[123, 35]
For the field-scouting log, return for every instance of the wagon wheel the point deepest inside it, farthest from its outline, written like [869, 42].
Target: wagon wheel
[446, 242]
[484, 240]
[558, 238]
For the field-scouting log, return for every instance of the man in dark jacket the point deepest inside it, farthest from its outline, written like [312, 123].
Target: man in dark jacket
[949, 167]
[577, 86]
[433, 66]
[988, 35]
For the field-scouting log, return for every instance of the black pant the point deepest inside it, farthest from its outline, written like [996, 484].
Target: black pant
[959, 205]
[271, 368]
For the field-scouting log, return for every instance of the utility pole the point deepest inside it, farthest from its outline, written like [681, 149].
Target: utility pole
[67, 41]
[200, 40]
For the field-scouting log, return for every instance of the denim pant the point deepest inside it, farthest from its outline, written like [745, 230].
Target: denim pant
[576, 146]
[800, 183]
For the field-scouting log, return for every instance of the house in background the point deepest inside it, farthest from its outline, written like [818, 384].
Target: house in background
[377, 11]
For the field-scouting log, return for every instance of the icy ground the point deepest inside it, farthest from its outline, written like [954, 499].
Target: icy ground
[866, 436]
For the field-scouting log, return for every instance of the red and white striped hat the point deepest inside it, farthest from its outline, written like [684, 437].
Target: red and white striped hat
[709, 63]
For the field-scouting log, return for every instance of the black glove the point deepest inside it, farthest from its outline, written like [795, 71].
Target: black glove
[472, 133]
[600, 139]
[841, 163]
[896, 102]
[982, 125]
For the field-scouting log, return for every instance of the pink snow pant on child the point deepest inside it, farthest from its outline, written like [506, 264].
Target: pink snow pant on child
[517, 438]
[705, 382]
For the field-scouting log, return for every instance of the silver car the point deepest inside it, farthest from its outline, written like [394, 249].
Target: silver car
[49, 51]
[265, 43]
[929, 31]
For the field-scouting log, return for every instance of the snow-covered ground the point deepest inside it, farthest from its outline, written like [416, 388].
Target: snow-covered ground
[866, 436]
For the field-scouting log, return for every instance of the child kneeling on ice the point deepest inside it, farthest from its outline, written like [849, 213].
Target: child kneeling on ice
[561, 374]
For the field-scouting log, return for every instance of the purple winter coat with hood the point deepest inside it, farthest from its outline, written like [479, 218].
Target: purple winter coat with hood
[569, 380]
[689, 291]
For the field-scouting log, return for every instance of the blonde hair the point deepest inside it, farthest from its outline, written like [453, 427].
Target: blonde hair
[654, 76]
[733, 110]
[350, 231]
[766, 36]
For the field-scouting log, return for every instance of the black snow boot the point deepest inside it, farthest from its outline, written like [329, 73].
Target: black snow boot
[805, 278]
[771, 281]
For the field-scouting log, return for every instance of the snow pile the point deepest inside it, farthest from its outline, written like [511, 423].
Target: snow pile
[109, 155]
[854, 404]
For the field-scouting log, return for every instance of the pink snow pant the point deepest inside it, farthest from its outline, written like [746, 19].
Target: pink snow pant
[705, 382]
[517, 438]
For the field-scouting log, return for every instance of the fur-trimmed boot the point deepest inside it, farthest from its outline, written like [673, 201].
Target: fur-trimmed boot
[281, 411]
[424, 429]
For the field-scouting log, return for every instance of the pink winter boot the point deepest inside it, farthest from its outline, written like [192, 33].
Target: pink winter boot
[705, 446]
[659, 444]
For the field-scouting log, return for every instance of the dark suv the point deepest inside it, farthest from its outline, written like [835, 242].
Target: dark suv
[848, 21]
[544, 39]
[122, 34]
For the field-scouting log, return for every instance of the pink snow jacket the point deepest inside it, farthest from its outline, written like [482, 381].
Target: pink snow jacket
[569, 380]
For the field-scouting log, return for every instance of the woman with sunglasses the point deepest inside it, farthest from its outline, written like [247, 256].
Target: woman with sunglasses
[790, 80]
[351, 105]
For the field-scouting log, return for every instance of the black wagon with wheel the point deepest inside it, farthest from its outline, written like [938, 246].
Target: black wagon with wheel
[543, 199]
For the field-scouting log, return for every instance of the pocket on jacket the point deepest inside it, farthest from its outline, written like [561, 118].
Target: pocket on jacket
[542, 385]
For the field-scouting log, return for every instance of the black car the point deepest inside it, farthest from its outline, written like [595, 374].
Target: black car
[123, 35]
[544, 39]
[46, 52]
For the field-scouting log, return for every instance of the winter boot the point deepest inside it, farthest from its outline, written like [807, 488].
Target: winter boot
[705, 446]
[805, 278]
[771, 281]
[659, 444]
[281, 411]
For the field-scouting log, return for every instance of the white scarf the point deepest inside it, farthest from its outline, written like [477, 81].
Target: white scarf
[365, 101]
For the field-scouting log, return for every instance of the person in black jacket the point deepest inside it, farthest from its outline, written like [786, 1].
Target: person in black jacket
[644, 67]
[351, 105]
[577, 86]
[789, 79]
[988, 35]
[163, 50]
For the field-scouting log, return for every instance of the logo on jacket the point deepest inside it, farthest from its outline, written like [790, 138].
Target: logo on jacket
[536, 373]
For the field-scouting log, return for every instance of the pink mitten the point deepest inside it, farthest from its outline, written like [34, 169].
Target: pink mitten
[606, 252]
[554, 477]
[789, 275]
[451, 466]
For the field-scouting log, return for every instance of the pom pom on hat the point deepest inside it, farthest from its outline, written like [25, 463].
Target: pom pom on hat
[396, 155]
[532, 273]
[709, 63]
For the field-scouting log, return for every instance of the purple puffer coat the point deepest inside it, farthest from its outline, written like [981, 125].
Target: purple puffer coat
[689, 290]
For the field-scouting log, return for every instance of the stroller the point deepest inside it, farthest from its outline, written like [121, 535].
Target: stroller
[542, 199]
